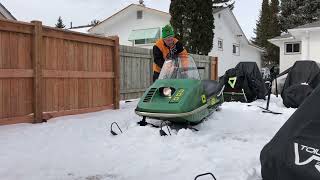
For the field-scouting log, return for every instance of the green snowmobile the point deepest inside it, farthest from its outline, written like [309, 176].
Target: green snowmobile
[179, 95]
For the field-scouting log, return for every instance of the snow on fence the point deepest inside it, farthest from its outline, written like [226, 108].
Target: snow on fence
[136, 70]
[46, 72]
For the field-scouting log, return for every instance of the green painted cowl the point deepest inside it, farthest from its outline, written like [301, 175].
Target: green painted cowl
[188, 103]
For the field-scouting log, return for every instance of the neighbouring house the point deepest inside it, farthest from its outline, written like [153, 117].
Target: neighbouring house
[138, 25]
[300, 43]
[81, 29]
[5, 14]
[230, 44]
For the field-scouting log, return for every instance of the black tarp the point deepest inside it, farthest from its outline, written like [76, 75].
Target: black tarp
[248, 78]
[294, 152]
[303, 77]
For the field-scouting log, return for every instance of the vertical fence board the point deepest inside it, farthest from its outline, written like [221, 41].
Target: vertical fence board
[116, 70]
[54, 66]
[37, 66]
[1, 96]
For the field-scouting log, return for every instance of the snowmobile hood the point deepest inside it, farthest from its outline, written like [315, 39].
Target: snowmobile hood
[186, 96]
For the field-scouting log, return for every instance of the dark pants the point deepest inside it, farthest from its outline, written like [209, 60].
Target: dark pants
[155, 76]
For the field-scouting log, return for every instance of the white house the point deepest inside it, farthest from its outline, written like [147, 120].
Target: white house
[137, 25]
[5, 14]
[230, 44]
[300, 43]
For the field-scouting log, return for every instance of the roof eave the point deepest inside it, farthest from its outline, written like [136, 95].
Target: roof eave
[257, 47]
[165, 13]
[304, 29]
[245, 37]
[281, 39]
[8, 12]
[235, 19]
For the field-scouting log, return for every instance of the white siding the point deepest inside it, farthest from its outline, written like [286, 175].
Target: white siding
[287, 60]
[309, 48]
[315, 46]
[124, 23]
[227, 30]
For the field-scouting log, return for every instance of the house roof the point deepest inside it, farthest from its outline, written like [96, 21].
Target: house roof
[243, 34]
[129, 6]
[286, 36]
[310, 25]
[81, 29]
[282, 37]
[4, 11]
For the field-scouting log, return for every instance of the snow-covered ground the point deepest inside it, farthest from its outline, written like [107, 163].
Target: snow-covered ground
[81, 148]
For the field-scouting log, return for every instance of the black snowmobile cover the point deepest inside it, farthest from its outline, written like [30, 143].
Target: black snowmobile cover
[302, 79]
[248, 78]
[294, 152]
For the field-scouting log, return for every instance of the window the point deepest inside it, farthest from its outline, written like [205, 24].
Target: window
[139, 14]
[220, 44]
[144, 41]
[236, 49]
[293, 48]
[140, 41]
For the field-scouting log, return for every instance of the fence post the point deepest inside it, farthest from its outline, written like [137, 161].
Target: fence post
[214, 68]
[116, 80]
[151, 67]
[37, 69]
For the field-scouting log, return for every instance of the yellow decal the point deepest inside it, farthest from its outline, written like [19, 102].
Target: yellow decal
[214, 101]
[232, 81]
[177, 96]
[203, 99]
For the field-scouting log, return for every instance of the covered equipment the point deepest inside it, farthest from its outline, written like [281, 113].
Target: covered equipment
[303, 77]
[294, 152]
[244, 83]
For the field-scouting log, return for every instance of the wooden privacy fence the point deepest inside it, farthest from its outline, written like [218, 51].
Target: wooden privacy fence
[46, 72]
[136, 70]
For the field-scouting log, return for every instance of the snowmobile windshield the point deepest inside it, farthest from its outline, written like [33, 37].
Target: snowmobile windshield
[182, 67]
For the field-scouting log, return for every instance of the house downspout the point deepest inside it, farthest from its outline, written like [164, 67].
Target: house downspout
[308, 44]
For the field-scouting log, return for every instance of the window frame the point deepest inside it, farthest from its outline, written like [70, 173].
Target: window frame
[292, 44]
[237, 53]
[220, 48]
[146, 41]
[139, 14]
[139, 40]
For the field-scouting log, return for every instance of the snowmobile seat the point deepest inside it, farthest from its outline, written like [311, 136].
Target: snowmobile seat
[211, 87]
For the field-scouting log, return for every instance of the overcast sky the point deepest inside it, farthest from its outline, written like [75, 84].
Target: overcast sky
[81, 12]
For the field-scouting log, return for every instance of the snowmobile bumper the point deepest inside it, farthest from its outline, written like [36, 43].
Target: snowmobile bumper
[175, 115]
